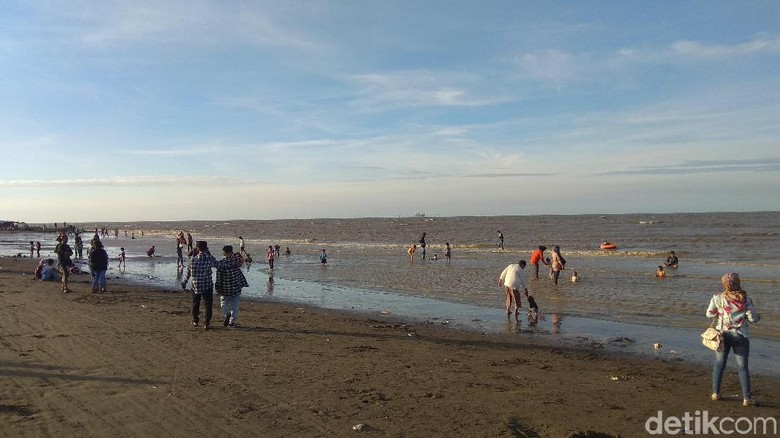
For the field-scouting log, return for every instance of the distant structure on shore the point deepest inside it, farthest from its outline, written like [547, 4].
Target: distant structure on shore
[419, 215]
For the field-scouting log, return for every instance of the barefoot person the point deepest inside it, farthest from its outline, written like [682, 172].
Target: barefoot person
[64, 253]
[536, 257]
[513, 280]
[733, 309]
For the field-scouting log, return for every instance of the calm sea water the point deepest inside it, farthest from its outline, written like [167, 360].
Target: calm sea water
[370, 254]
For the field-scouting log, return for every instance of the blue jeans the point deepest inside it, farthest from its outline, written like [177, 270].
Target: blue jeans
[741, 347]
[229, 305]
[99, 280]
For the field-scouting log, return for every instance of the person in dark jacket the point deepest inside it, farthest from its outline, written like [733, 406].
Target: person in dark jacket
[98, 264]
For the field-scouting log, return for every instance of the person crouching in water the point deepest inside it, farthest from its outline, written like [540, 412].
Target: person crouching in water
[513, 280]
[230, 281]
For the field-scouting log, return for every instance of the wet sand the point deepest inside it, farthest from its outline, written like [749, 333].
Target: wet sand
[128, 363]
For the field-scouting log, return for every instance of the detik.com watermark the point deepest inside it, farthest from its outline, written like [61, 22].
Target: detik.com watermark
[700, 423]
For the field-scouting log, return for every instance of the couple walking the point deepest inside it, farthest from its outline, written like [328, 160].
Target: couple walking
[230, 281]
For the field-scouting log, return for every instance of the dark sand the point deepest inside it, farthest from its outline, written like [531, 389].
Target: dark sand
[128, 363]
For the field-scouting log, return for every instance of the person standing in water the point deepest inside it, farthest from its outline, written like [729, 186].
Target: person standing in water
[270, 255]
[412, 249]
[323, 257]
[422, 245]
[558, 263]
[447, 251]
[536, 257]
[500, 239]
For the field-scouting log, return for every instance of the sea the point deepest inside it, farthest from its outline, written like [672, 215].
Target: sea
[618, 304]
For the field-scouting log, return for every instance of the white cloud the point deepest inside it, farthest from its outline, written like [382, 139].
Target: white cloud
[422, 88]
[554, 66]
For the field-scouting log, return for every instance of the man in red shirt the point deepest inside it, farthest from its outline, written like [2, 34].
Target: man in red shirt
[536, 257]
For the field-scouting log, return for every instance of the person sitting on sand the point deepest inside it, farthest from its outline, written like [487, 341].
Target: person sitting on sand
[660, 273]
[574, 277]
[49, 271]
[672, 260]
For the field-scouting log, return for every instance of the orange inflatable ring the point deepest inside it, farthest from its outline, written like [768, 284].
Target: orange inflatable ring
[608, 246]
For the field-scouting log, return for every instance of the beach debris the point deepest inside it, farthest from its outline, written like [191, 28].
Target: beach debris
[143, 305]
[657, 346]
[617, 378]
[385, 312]
[411, 334]
[358, 426]
[621, 341]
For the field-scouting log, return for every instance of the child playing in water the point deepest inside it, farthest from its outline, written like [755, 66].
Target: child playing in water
[660, 273]
[575, 278]
[550, 275]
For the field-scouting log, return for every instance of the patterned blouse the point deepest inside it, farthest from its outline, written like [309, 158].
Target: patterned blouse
[733, 315]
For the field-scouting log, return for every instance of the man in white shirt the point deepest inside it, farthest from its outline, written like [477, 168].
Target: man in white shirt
[513, 280]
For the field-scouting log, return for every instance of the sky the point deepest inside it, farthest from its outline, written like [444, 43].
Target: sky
[190, 110]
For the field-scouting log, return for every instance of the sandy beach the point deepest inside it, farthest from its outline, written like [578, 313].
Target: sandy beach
[128, 363]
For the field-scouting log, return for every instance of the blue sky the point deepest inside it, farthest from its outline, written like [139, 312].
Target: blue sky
[139, 110]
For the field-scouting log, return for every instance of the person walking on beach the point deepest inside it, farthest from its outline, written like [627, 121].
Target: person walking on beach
[270, 255]
[38, 249]
[422, 245]
[447, 251]
[189, 242]
[732, 310]
[513, 280]
[179, 255]
[122, 264]
[412, 249]
[64, 253]
[79, 244]
[230, 281]
[98, 264]
[558, 263]
[199, 270]
[536, 257]
[241, 249]
[500, 239]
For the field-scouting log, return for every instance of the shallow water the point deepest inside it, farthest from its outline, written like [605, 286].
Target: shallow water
[619, 286]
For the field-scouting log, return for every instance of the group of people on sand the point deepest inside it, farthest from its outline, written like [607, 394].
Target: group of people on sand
[229, 283]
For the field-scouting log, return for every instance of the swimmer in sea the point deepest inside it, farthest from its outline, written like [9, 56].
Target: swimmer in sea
[660, 273]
